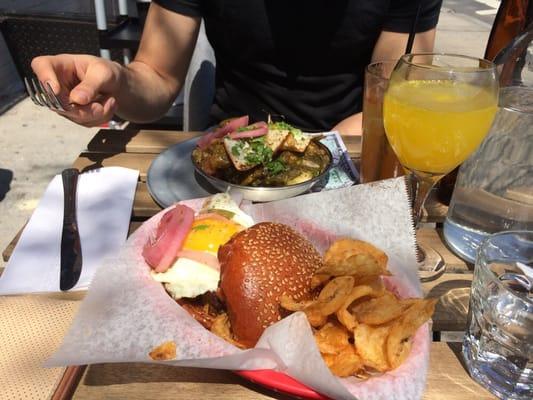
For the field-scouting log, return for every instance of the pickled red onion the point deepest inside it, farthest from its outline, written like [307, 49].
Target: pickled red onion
[225, 127]
[161, 249]
[255, 130]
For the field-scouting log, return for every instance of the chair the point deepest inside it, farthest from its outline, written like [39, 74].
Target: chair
[199, 88]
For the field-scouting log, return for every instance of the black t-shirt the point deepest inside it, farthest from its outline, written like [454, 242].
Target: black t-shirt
[303, 59]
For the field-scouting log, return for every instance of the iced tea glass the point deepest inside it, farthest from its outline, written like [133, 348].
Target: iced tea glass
[498, 344]
[378, 160]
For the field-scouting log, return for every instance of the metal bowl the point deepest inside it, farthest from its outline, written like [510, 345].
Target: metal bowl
[263, 193]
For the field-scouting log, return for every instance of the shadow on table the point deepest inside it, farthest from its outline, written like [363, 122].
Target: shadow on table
[105, 144]
[452, 307]
[111, 140]
[456, 348]
[6, 176]
[121, 374]
[440, 232]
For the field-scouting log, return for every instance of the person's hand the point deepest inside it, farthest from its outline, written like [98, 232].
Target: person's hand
[86, 85]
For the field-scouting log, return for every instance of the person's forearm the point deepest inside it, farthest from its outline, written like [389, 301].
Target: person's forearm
[350, 126]
[144, 95]
[149, 84]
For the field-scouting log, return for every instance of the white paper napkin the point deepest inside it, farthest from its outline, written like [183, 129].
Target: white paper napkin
[104, 203]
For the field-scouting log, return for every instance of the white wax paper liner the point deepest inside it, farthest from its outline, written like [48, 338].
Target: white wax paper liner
[126, 313]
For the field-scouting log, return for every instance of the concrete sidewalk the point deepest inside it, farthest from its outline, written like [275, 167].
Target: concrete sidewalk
[36, 144]
[461, 34]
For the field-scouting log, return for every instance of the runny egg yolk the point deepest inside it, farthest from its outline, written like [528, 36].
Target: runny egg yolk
[209, 234]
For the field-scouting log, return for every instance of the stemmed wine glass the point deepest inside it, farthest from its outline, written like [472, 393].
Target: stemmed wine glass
[437, 110]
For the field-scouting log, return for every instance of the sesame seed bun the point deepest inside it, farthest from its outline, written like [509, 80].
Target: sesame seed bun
[257, 266]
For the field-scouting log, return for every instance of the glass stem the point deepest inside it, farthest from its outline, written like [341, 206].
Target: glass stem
[420, 188]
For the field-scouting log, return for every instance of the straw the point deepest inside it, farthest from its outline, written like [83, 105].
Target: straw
[412, 33]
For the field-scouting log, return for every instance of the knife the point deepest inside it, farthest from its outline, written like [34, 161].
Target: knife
[71, 258]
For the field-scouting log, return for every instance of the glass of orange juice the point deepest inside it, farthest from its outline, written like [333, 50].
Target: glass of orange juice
[436, 111]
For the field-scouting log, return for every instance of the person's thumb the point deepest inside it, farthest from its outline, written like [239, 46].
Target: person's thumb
[99, 80]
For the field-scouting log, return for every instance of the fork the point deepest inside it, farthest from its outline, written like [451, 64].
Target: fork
[42, 94]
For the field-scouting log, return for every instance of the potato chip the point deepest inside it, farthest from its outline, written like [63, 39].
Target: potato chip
[409, 302]
[357, 265]
[319, 279]
[315, 317]
[288, 303]
[370, 344]
[346, 363]
[402, 330]
[332, 338]
[345, 248]
[343, 315]
[329, 359]
[375, 282]
[379, 310]
[332, 297]
[165, 351]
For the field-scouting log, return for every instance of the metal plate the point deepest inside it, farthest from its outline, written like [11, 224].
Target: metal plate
[172, 177]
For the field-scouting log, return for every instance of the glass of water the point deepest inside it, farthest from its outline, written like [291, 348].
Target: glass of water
[498, 344]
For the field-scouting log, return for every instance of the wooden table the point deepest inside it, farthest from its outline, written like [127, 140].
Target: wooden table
[447, 378]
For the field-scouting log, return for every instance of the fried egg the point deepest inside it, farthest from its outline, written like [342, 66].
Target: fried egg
[189, 277]
[208, 234]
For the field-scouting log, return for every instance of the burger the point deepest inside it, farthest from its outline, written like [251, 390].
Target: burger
[259, 265]
[217, 262]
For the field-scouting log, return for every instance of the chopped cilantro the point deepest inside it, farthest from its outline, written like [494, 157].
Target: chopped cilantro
[282, 126]
[275, 167]
[258, 153]
[200, 227]
[237, 148]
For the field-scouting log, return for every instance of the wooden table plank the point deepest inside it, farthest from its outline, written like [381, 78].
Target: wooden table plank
[452, 309]
[432, 237]
[11, 246]
[434, 210]
[144, 205]
[140, 161]
[353, 145]
[154, 141]
[447, 379]
[135, 141]
[149, 381]
[134, 225]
